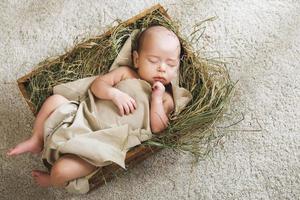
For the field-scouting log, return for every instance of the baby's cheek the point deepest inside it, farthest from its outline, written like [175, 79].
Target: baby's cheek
[173, 74]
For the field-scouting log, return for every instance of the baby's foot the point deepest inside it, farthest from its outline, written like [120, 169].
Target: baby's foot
[41, 178]
[33, 145]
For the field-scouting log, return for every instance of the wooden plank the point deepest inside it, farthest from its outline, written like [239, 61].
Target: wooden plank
[133, 158]
[24, 93]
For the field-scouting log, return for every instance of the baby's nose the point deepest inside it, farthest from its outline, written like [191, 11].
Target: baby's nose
[162, 66]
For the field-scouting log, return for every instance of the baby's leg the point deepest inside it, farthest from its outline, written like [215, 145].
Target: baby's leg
[65, 169]
[35, 143]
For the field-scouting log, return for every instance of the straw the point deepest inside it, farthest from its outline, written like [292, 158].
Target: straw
[207, 79]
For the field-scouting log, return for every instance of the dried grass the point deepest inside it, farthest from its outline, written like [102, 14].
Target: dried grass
[207, 80]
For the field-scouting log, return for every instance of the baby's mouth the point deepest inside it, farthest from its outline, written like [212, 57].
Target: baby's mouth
[160, 79]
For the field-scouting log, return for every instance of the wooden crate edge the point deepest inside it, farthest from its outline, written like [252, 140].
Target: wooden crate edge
[107, 173]
[24, 93]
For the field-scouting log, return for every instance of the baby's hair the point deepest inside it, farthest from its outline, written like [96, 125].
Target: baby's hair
[140, 38]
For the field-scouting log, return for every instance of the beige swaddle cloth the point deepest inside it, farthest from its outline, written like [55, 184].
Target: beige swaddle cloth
[92, 129]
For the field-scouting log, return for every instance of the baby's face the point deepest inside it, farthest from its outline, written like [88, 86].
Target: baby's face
[158, 58]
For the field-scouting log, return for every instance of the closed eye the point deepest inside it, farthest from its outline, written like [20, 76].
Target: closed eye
[153, 60]
[172, 64]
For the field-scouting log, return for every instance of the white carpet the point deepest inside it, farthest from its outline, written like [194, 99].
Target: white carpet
[261, 37]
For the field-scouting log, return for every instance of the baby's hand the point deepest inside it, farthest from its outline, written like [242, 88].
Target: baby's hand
[158, 89]
[125, 103]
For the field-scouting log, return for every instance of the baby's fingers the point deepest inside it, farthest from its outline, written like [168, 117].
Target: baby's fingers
[126, 109]
[121, 110]
[133, 103]
[131, 107]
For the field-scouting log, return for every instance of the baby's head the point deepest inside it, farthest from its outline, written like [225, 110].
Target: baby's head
[157, 55]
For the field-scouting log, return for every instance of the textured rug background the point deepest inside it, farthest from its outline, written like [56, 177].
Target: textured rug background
[261, 37]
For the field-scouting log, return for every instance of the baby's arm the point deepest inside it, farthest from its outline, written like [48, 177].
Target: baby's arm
[161, 105]
[102, 87]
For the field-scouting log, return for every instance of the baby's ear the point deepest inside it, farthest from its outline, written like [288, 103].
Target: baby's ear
[135, 57]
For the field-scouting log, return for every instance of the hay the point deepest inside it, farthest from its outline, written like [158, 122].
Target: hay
[207, 80]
